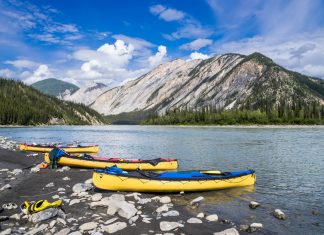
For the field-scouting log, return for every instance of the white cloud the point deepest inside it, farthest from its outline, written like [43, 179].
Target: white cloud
[197, 44]
[41, 73]
[198, 56]
[22, 63]
[138, 43]
[190, 29]
[7, 73]
[167, 14]
[159, 57]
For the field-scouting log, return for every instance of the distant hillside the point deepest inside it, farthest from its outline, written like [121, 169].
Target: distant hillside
[55, 87]
[23, 105]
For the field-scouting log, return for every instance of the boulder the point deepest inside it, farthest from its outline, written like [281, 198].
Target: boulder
[230, 231]
[194, 221]
[115, 227]
[166, 226]
[212, 217]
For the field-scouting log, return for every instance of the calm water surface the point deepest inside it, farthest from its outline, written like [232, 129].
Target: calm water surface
[289, 163]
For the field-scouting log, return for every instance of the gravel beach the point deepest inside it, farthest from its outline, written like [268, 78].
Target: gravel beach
[85, 209]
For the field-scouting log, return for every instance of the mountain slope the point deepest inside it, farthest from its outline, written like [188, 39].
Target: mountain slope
[229, 81]
[54, 87]
[23, 105]
[86, 95]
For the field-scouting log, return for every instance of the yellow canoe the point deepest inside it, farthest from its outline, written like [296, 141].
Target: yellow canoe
[141, 182]
[159, 164]
[67, 149]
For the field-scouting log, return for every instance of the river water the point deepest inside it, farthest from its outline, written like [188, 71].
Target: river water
[289, 163]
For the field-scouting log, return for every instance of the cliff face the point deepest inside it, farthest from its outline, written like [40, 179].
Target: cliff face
[226, 82]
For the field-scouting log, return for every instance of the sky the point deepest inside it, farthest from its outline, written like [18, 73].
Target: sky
[116, 41]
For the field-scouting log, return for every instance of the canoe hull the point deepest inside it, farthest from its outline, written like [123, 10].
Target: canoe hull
[86, 149]
[85, 163]
[122, 183]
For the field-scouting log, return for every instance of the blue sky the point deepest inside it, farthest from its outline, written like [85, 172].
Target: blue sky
[115, 41]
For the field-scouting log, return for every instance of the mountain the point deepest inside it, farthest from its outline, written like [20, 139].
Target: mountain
[55, 87]
[229, 81]
[86, 95]
[23, 105]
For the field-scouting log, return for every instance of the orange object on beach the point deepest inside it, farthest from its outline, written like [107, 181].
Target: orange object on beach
[43, 165]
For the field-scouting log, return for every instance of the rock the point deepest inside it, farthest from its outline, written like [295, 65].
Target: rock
[161, 209]
[212, 217]
[96, 197]
[200, 215]
[35, 169]
[112, 228]
[74, 201]
[16, 171]
[135, 195]
[144, 201]
[244, 227]
[49, 185]
[96, 233]
[165, 199]
[4, 170]
[80, 187]
[255, 227]
[171, 213]
[88, 226]
[146, 220]
[36, 230]
[279, 214]
[75, 233]
[254, 205]
[6, 186]
[168, 226]
[64, 168]
[56, 196]
[133, 219]
[6, 232]
[64, 231]
[15, 216]
[4, 218]
[61, 189]
[194, 221]
[118, 197]
[43, 215]
[230, 231]
[111, 220]
[89, 181]
[52, 223]
[196, 201]
[66, 178]
[182, 193]
[60, 220]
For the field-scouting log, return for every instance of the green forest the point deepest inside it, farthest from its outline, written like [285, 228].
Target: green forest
[295, 113]
[24, 105]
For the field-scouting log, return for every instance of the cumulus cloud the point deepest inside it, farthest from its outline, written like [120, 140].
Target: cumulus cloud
[7, 73]
[198, 56]
[167, 14]
[159, 57]
[41, 73]
[197, 44]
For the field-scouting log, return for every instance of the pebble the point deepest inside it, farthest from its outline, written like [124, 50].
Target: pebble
[36, 230]
[6, 186]
[52, 223]
[60, 220]
[16, 171]
[66, 178]
[168, 226]
[74, 201]
[171, 213]
[112, 228]
[212, 217]
[64, 168]
[200, 215]
[254, 205]
[279, 214]
[96, 197]
[165, 199]
[161, 209]
[194, 221]
[80, 187]
[230, 231]
[196, 201]
[133, 219]
[255, 227]
[61, 189]
[75, 233]
[35, 169]
[56, 197]
[88, 181]
[49, 185]
[64, 231]
[6, 232]
[111, 220]
[88, 226]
